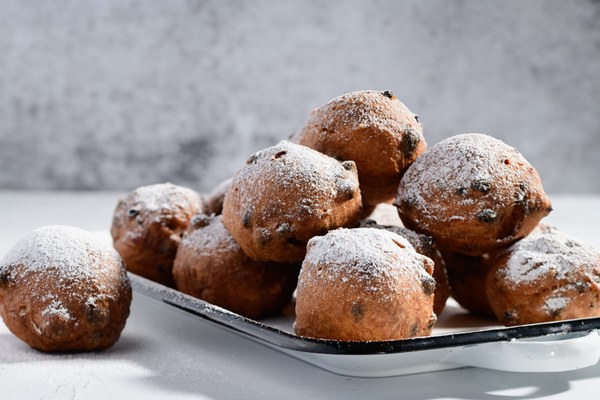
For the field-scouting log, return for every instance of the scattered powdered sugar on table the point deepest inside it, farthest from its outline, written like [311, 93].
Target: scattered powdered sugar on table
[547, 252]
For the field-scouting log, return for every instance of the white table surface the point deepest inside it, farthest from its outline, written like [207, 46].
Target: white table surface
[164, 353]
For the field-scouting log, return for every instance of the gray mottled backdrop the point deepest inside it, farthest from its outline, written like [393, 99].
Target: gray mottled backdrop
[116, 94]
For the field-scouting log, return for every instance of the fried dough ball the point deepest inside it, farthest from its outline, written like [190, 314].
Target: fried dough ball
[376, 131]
[284, 196]
[547, 276]
[211, 266]
[147, 228]
[467, 276]
[62, 291]
[364, 284]
[473, 194]
[423, 245]
[213, 203]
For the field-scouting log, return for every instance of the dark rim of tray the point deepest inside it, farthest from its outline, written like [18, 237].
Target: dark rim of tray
[276, 337]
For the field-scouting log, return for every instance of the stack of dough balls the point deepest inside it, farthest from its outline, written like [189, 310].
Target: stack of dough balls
[295, 216]
[247, 258]
[284, 196]
[376, 131]
[244, 247]
[60, 290]
[482, 203]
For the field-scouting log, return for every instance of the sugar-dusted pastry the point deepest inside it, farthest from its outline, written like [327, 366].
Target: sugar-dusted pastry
[60, 290]
[424, 245]
[211, 266]
[147, 227]
[473, 194]
[547, 276]
[286, 194]
[376, 131]
[364, 284]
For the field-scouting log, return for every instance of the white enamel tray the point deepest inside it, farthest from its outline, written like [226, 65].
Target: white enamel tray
[458, 340]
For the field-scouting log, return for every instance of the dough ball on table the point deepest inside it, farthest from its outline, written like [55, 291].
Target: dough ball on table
[211, 266]
[467, 277]
[62, 291]
[376, 131]
[547, 276]
[473, 194]
[147, 228]
[284, 196]
[423, 245]
[364, 284]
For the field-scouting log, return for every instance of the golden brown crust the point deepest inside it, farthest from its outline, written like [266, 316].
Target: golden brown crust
[423, 245]
[60, 291]
[547, 276]
[285, 195]
[364, 284]
[373, 129]
[211, 266]
[147, 228]
[473, 194]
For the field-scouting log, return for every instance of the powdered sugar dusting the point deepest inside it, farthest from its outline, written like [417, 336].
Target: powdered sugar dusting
[57, 257]
[57, 308]
[308, 183]
[71, 251]
[210, 239]
[453, 168]
[368, 109]
[164, 196]
[554, 304]
[548, 252]
[371, 258]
